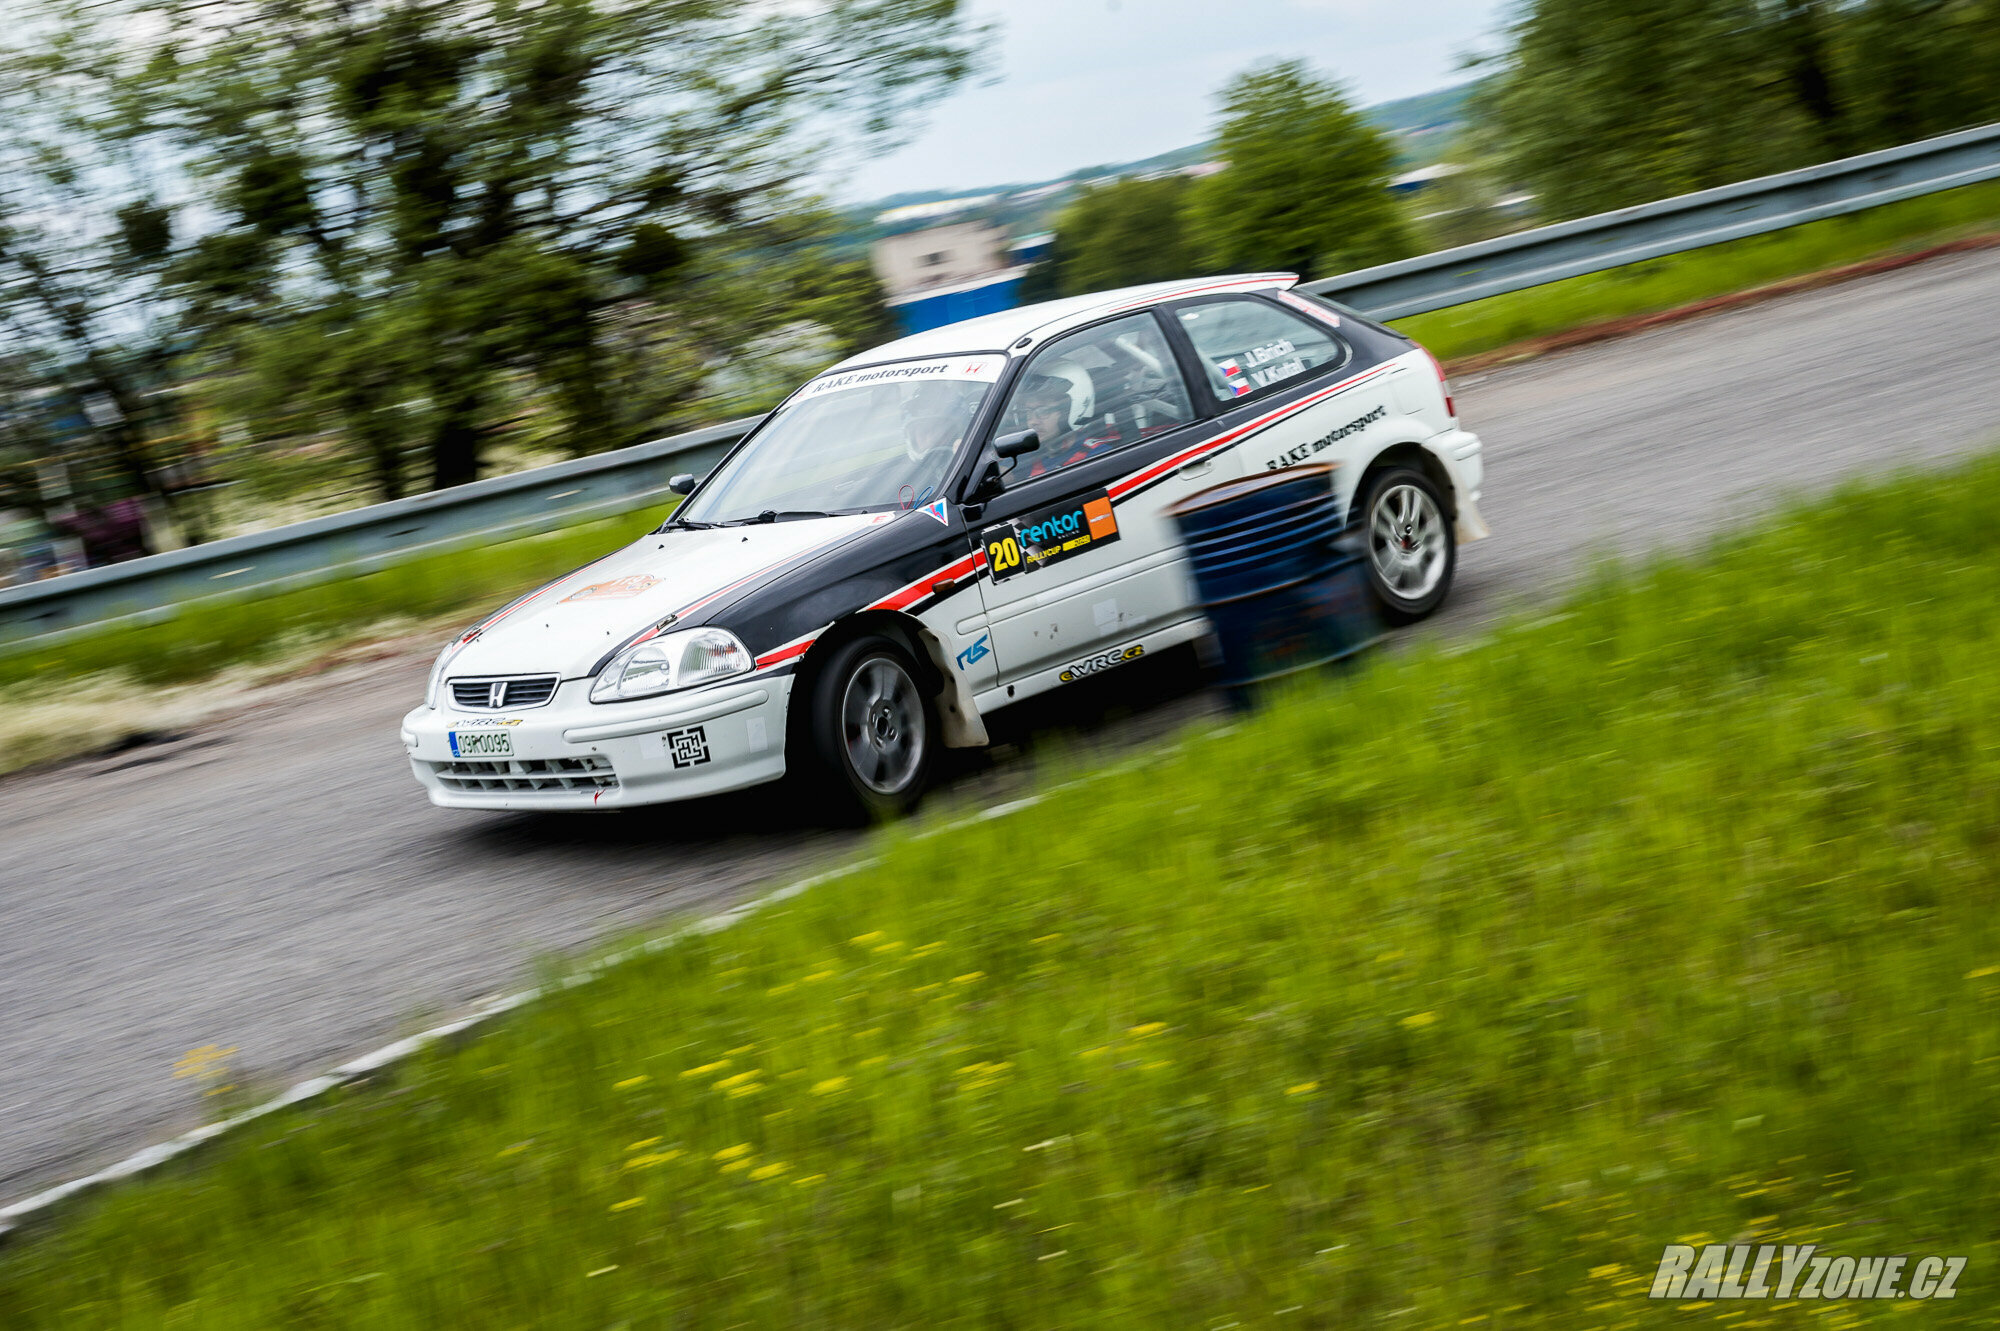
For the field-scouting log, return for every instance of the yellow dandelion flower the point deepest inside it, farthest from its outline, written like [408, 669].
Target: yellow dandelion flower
[1098, 1052]
[1048, 938]
[890, 946]
[1150, 1028]
[628, 1203]
[631, 1082]
[735, 1165]
[808, 1180]
[739, 1079]
[817, 976]
[739, 1051]
[736, 1152]
[778, 989]
[748, 1088]
[706, 1068]
[925, 950]
[765, 1172]
[642, 1145]
[650, 1159]
[969, 977]
[1416, 1021]
[1982, 972]
[1156, 1065]
[865, 939]
[1303, 1088]
[831, 1086]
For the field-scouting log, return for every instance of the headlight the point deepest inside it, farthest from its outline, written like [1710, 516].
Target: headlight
[673, 661]
[437, 671]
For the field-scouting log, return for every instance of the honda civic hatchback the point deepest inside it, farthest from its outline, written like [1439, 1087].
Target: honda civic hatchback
[937, 528]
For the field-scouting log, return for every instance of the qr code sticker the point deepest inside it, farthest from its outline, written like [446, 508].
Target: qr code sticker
[689, 747]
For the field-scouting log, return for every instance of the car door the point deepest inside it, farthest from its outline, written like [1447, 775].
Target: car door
[1080, 558]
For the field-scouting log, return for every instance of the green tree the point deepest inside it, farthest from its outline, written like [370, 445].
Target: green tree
[434, 220]
[1305, 188]
[1123, 233]
[1601, 104]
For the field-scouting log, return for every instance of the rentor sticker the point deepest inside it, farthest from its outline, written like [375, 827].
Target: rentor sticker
[1037, 539]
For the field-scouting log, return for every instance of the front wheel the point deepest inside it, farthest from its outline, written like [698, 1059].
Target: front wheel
[873, 729]
[1412, 551]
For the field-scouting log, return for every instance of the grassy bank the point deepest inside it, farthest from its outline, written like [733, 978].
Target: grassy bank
[1442, 996]
[1682, 279]
[231, 633]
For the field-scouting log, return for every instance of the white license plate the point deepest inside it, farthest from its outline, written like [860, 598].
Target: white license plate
[482, 744]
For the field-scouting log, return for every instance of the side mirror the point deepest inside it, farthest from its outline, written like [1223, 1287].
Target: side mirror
[1013, 445]
[684, 483]
[990, 483]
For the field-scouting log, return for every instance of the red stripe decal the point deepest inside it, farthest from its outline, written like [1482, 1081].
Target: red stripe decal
[1119, 489]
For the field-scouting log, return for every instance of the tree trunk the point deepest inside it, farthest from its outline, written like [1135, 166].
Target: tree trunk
[455, 442]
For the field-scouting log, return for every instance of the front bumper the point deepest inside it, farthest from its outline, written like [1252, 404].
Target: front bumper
[576, 754]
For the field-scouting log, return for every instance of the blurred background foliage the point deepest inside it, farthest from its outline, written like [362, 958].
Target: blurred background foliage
[408, 235]
[264, 258]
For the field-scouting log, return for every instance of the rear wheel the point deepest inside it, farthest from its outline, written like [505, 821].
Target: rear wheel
[873, 729]
[1412, 551]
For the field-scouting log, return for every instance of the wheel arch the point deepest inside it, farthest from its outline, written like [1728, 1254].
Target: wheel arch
[1408, 453]
[958, 718]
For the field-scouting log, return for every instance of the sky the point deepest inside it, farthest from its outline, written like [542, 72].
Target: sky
[1075, 83]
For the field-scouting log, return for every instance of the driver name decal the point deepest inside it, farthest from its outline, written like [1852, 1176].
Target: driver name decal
[1036, 540]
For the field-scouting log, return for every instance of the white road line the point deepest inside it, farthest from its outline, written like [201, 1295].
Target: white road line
[152, 1157]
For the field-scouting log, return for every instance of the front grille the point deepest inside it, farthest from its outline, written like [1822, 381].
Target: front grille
[492, 695]
[527, 775]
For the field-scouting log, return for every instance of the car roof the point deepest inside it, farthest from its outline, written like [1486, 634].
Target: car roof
[1032, 324]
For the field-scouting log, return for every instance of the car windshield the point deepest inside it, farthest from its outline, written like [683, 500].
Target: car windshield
[856, 441]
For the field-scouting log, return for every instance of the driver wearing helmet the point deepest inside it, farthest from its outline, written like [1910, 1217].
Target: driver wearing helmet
[1046, 406]
[934, 421]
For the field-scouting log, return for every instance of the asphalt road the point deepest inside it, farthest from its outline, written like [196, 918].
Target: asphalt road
[273, 881]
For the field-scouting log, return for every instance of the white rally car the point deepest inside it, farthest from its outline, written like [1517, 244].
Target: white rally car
[937, 528]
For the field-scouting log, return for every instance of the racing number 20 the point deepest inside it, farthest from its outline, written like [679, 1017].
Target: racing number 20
[1004, 554]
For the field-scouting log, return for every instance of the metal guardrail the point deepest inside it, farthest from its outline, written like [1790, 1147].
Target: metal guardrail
[344, 545]
[1611, 240]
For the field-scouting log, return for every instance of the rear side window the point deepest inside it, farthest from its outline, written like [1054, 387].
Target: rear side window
[1245, 345]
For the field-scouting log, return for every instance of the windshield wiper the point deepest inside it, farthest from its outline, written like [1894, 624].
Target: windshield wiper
[776, 515]
[685, 524]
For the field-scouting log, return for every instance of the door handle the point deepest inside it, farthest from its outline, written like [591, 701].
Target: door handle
[1199, 467]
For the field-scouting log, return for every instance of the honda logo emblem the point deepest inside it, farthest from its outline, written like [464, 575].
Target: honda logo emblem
[499, 694]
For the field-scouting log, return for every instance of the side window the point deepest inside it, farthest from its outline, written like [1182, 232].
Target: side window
[1245, 345]
[1094, 391]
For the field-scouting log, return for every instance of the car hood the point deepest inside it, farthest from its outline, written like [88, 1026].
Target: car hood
[569, 625]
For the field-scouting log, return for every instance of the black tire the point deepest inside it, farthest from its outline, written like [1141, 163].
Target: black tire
[1410, 544]
[873, 731]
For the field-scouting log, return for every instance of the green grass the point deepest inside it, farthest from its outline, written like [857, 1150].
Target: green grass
[1682, 279]
[1450, 991]
[220, 634]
